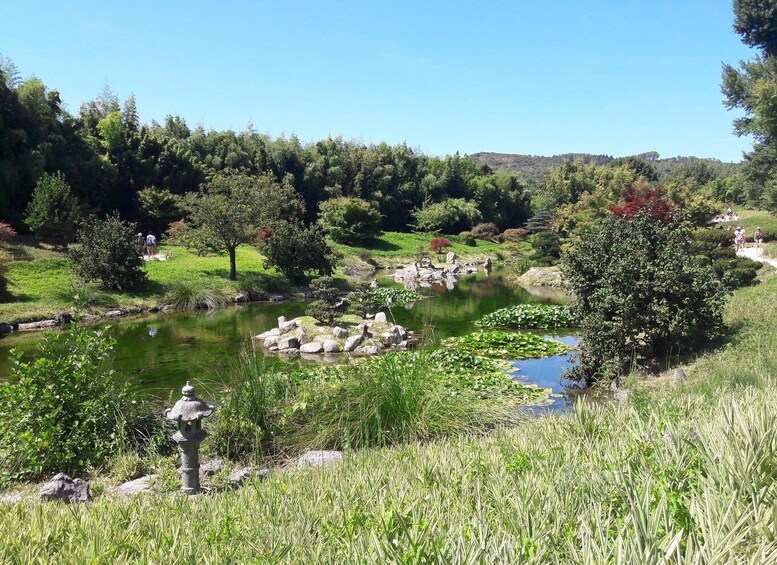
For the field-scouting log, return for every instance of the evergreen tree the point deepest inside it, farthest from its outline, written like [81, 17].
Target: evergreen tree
[53, 211]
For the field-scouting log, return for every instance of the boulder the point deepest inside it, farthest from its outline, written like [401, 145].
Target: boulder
[212, 467]
[241, 297]
[679, 375]
[286, 327]
[399, 332]
[368, 350]
[319, 458]
[281, 320]
[361, 330]
[271, 341]
[114, 313]
[312, 347]
[340, 333]
[137, 486]
[302, 336]
[62, 487]
[268, 333]
[239, 477]
[288, 342]
[331, 346]
[387, 338]
[450, 257]
[353, 342]
[5, 329]
[380, 318]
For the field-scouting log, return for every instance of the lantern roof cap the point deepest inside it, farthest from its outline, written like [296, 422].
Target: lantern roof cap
[189, 408]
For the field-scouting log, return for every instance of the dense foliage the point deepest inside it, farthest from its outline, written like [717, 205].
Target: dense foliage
[53, 211]
[327, 303]
[296, 250]
[528, 316]
[107, 252]
[66, 410]
[351, 221]
[387, 296]
[506, 345]
[640, 294]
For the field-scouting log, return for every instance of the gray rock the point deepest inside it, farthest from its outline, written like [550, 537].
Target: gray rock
[400, 333]
[361, 330]
[286, 327]
[353, 342]
[137, 486]
[239, 477]
[331, 346]
[380, 318]
[61, 487]
[312, 347]
[450, 257]
[212, 467]
[302, 336]
[368, 350]
[403, 344]
[241, 297]
[268, 333]
[319, 458]
[387, 338]
[10, 498]
[288, 342]
[291, 352]
[621, 395]
[271, 341]
[277, 298]
[679, 375]
[114, 313]
[281, 320]
[340, 333]
[37, 325]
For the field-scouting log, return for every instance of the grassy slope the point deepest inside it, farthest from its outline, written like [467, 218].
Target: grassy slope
[684, 470]
[37, 281]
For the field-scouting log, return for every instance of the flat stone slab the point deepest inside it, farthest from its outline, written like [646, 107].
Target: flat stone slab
[138, 486]
[212, 467]
[319, 459]
[239, 477]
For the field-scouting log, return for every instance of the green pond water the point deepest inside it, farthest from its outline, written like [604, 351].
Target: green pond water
[160, 352]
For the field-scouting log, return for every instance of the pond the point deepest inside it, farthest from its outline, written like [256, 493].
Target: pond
[160, 352]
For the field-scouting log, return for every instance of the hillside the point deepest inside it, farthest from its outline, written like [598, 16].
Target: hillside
[534, 167]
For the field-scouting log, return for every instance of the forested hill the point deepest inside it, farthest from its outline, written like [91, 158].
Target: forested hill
[534, 167]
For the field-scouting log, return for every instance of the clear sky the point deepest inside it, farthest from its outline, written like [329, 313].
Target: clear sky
[525, 76]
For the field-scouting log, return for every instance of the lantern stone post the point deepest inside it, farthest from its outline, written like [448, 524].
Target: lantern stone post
[188, 413]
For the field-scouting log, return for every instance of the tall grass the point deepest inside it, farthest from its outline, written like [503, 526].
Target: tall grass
[195, 295]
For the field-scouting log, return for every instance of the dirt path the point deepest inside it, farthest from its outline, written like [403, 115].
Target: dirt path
[756, 254]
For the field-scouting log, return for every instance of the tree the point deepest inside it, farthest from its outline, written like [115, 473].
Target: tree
[326, 304]
[640, 294]
[233, 209]
[107, 252]
[296, 250]
[351, 221]
[438, 244]
[53, 211]
[452, 215]
[160, 206]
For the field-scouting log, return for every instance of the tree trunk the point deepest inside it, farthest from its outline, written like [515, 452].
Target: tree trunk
[232, 265]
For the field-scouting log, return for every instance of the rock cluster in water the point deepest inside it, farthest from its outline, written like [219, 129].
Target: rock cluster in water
[424, 273]
[301, 337]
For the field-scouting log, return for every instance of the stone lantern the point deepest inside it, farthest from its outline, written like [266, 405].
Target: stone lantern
[188, 414]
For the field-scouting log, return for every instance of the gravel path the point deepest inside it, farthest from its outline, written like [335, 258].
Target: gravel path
[756, 254]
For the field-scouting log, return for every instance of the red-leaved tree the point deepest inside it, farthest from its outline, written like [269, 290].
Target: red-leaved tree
[438, 244]
[636, 199]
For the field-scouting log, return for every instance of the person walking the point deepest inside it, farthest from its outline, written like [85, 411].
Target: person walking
[739, 238]
[150, 244]
[758, 237]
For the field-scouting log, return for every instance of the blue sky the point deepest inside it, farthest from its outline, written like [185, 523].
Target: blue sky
[540, 77]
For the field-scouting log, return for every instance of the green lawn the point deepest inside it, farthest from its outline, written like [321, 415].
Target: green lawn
[396, 245]
[674, 474]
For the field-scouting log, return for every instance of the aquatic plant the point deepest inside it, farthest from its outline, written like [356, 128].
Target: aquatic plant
[195, 295]
[528, 316]
[384, 297]
[506, 345]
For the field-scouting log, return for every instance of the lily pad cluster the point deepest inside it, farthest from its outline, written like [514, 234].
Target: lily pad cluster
[528, 316]
[506, 345]
[384, 297]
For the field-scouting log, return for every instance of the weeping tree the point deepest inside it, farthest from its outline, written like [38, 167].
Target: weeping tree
[231, 209]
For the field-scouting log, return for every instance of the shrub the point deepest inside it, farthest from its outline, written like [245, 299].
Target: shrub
[195, 295]
[514, 235]
[486, 231]
[650, 199]
[6, 232]
[263, 282]
[466, 238]
[506, 345]
[295, 250]
[107, 252]
[449, 216]
[438, 244]
[66, 410]
[547, 248]
[326, 304]
[535, 316]
[53, 211]
[351, 221]
[639, 294]
[715, 245]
